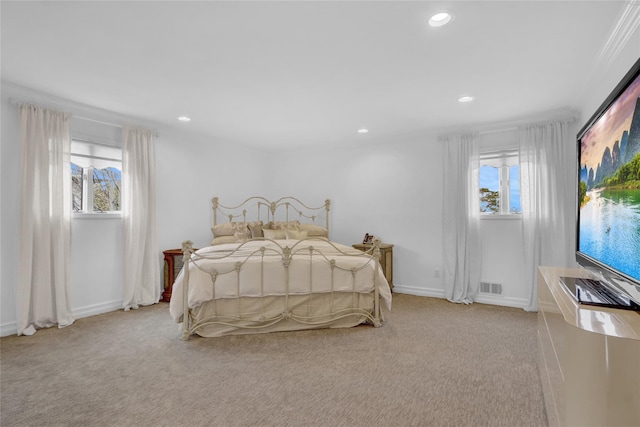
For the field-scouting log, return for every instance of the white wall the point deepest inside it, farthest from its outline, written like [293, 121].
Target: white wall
[190, 171]
[9, 219]
[96, 274]
[392, 190]
[501, 240]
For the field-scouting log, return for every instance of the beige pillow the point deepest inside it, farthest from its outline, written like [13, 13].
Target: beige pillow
[222, 240]
[296, 235]
[274, 234]
[232, 227]
[314, 230]
[224, 229]
[283, 225]
[241, 232]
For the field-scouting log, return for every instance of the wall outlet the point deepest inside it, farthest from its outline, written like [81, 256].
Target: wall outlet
[436, 272]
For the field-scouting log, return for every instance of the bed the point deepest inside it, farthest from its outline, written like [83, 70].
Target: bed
[272, 267]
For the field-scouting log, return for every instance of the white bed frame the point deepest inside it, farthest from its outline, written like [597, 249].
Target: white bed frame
[260, 204]
[191, 324]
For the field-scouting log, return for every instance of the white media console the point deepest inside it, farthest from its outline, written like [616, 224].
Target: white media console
[589, 357]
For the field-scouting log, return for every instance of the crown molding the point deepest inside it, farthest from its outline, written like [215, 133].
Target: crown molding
[558, 115]
[621, 32]
[626, 25]
[17, 94]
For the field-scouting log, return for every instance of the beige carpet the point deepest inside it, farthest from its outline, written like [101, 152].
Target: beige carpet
[433, 363]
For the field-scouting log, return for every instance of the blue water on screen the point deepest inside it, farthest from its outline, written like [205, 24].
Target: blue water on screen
[610, 229]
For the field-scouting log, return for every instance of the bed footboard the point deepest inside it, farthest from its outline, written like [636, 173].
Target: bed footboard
[310, 284]
[187, 251]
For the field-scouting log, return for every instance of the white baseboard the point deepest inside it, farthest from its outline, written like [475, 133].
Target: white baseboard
[480, 298]
[93, 309]
[11, 328]
[504, 301]
[421, 292]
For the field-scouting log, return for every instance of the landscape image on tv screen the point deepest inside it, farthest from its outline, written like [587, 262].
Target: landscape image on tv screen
[609, 217]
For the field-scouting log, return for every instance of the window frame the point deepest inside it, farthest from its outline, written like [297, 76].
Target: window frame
[87, 178]
[502, 160]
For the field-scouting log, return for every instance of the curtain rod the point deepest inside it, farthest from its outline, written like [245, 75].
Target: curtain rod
[18, 101]
[567, 116]
[506, 129]
[99, 121]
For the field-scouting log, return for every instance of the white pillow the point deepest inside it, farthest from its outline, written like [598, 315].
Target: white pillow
[221, 240]
[314, 230]
[274, 234]
[296, 235]
[223, 229]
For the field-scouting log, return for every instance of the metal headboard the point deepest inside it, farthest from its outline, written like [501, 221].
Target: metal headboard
[257, 205]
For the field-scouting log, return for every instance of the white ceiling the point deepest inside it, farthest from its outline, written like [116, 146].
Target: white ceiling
[275, 75]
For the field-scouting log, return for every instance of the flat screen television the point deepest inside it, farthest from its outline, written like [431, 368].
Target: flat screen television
[608, 220]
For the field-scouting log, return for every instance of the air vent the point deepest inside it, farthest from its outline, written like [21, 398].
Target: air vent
[491, 288]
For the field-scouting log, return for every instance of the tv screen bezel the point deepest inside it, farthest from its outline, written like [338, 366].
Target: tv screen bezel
[582, 258]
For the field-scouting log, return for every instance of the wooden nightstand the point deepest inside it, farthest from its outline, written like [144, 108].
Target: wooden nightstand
[386, 259]
[172, 266]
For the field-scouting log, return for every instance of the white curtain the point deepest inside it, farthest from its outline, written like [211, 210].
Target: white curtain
[461, 216]
[547, 180]
[141, 255]
[45, 219]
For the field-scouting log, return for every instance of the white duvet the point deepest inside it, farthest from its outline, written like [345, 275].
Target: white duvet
[306, 274]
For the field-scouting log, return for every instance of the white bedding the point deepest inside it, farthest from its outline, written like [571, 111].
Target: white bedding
[301, 281]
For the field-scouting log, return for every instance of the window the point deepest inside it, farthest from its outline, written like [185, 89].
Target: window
[96, 177]
[500, 183]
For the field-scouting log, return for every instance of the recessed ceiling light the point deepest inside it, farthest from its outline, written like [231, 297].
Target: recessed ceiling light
[465, 98]
[440, 18]
[184, 119]
[363, 130]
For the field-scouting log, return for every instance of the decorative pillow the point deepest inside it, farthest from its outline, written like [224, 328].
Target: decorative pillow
[284, 225]
[222, 240]
[274, 234]
[296, 235]
[232, 227]
[241, 232]
[224, 229]
[254, 223]
[256, 231]
[314, 230]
